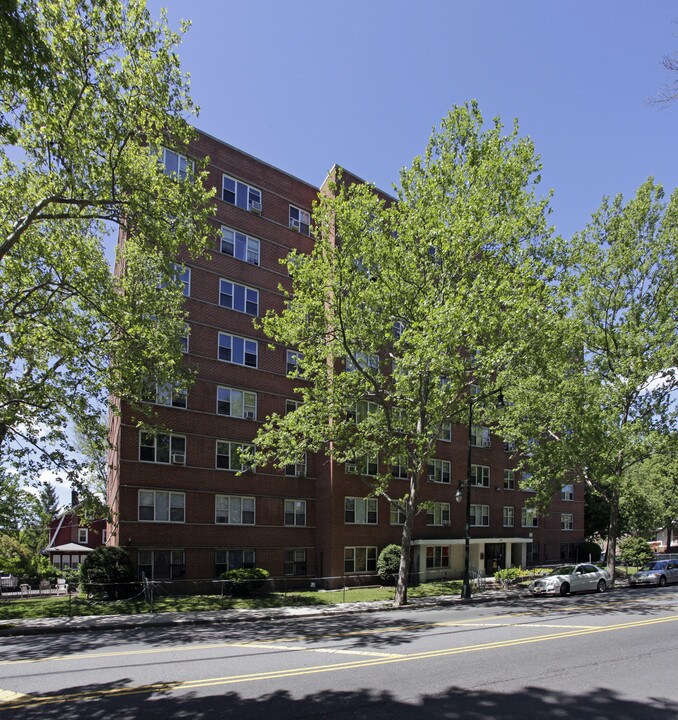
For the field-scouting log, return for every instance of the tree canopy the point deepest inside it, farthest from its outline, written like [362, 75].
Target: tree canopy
[596, 398]
[406, 303]
[90, 93]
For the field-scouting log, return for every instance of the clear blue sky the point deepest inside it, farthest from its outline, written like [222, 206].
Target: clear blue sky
[304, 84]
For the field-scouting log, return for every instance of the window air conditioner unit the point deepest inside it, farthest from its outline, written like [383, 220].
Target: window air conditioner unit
[178, 458]
[255, 207]
[249, 415]
[431, 478]
[352, 468]
[295, 225]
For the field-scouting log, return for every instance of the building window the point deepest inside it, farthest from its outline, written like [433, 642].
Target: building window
[183, 274]
[529, 518]
[162, 448]
[234, 510]
[361, 410]
[508, 516]
[236, 403]
[183, 339]
[480, 436]
[480, 475]
[295, 562]
[240, 194]
[294, 361]
[437, 556]
[240, 246]
[291, 406]
[400, 469]
[229, 456]
[398, 328]
[480, 515]
[175, 164]
[360, 511]
[397, 515]
[446, 432]
[162, 506]
[238, 297]
[438, 514]
[82, 536]
[364, 465]
[439, 471]
[509, 479]
[237, 350]
[170, 396]
[300, 220]
[360, 559]
[364, 361]
[162, 564]
[567, 492]
[509, 445]
[295, 513]
[297, 469]
[525, 479]
[225, 560]
[566, 521]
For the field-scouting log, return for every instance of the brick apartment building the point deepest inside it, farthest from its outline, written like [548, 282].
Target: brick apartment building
[181, 509]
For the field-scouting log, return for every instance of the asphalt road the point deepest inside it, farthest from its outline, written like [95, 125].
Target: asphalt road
[591, 656]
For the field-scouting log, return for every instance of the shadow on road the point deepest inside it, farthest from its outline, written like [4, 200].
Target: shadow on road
[530, 703]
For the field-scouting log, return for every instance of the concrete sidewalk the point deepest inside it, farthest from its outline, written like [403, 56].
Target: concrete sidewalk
[45, 626]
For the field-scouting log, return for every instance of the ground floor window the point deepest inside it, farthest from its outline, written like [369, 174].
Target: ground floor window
[295, 562]
[532, 553]
[568, 551]
[438, 557]
[162, 564]
[225, 560]
[360, 559]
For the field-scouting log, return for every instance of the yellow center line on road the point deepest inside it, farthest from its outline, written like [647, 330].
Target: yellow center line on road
[184, 685]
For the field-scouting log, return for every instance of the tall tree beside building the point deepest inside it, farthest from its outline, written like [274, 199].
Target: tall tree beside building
[75, 166]
[404, 305]
[598, 399]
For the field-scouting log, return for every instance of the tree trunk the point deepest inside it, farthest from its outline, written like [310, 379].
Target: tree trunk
[612, 535]
[405, 549]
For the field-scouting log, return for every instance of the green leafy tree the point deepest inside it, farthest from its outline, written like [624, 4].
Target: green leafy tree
[634, 550]
[391, 295]
[108, 571]
[649, 499]
[388, 564]
[15, 556]
[75, 165]
[18, 506]
[595, 398]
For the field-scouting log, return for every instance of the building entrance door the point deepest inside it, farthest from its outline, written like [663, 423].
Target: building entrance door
[494, 557]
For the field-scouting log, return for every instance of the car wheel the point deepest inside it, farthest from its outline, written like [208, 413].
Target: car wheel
[601, 586]
[564, 589]
[662, 581]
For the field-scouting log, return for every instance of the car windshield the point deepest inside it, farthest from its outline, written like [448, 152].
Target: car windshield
[656, 565]
[563, 570]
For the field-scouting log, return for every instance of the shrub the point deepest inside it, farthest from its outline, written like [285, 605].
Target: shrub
[245, 581]
[634, 550]
[508, 575]
[589, 549]
[108, 571]
[388, 564]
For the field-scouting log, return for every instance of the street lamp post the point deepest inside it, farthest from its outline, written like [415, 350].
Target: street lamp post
[466, 585]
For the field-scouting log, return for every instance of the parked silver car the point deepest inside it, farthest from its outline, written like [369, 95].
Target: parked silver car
[570, 579]
[656, 572]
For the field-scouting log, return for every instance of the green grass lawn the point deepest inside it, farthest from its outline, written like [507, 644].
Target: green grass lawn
[79, 605]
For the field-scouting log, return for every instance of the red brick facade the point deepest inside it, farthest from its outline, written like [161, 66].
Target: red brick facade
[175, 533]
